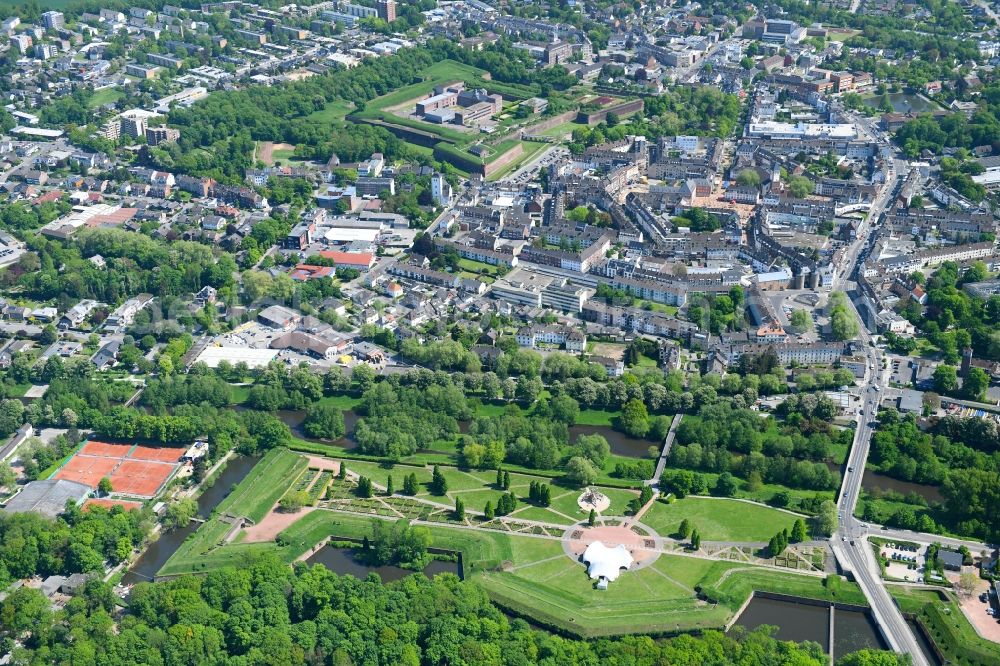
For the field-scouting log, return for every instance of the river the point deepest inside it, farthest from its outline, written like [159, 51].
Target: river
[344, 561]
[158, 552]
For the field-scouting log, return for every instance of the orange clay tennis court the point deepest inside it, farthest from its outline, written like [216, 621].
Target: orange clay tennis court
[140, 477]
[133, 469]
[158, 454]
[104, 449]
[88, 470]
[111, 503]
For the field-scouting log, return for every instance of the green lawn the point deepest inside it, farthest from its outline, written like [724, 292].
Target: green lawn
[379, 473]
[533, 577]
[719, 519]
[264, 485]
[531, 148]
[104, 96]
[652, 306]
[334, 113]
[282, 155]
[340, 401]
[563, 129]
[478, 267]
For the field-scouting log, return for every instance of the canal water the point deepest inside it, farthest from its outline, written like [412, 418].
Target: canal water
[345, 561]
[874, 480]
[620, 443]
[158, 552]
[853, 630]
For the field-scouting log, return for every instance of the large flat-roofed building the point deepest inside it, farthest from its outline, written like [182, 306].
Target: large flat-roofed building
[802, 131]
[435, 102]
[47, 497]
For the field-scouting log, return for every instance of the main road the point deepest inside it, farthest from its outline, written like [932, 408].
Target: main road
[850, 544]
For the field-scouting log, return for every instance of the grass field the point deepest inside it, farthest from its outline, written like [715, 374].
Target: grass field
[265, 483]
[334, 113]
[719, 519]
[105, 96]
[340, 401]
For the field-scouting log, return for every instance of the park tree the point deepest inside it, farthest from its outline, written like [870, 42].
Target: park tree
[294, 500]
[684, 531]
[748, 178]
[975, 385]
[725, 485]
[945, 379]
[799, 533]
[594, 448]
[104, 486]
[592, 518]
[180, 512]
[365, 488]
[506, 480]
[777, 545]
[410, 485]
[695, 540]
[488, 512]
[967, 583]
[439, 484]
[870, 657]
[459, 509]
[580, 471]
[826, 520]
[7, 476]
[389, 489]
[635, 418]
[800, 320]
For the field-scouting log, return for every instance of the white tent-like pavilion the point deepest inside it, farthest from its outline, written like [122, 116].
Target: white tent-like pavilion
[605, 564]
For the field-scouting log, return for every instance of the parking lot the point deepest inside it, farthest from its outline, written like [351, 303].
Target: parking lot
[904, 562]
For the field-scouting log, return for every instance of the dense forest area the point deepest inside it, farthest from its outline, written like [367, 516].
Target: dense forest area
[722, 439]
[268, 613]
[78, 541]
[961, 455]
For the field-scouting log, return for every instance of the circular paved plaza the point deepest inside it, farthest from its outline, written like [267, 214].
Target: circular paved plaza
[640, 540]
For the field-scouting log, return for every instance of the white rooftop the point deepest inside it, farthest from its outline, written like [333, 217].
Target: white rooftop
[606, 562]
[254, 358]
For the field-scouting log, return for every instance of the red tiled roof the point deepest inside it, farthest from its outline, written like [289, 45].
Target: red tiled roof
[310, 272]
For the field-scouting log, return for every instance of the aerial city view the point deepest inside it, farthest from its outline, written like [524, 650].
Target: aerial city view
[499, 332]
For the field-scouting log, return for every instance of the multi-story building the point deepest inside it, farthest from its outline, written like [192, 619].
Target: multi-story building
[374, 187]
[532, 336]
[157, 135]
[386, 10]
[133, 125]
[53, 21]
[667, 293]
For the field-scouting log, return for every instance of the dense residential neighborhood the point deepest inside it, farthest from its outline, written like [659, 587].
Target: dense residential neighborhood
[596, 331]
